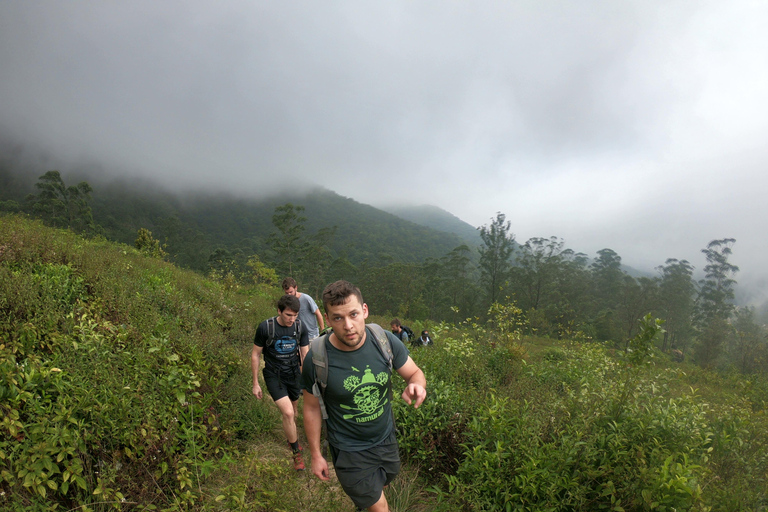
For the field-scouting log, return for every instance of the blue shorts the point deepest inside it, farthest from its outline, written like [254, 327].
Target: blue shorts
[364, 474]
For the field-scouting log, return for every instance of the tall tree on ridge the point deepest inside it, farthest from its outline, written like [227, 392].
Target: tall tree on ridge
[496, 256]
[715, 302]
[288, 243]
[677, 301]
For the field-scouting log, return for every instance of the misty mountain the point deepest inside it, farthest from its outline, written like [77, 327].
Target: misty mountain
[195, 224]
[437, 218]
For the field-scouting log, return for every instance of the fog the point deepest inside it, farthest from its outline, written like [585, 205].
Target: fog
[637, 126]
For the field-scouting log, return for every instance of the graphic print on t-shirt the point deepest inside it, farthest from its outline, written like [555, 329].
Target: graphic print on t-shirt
[370, 394]
[285, 345]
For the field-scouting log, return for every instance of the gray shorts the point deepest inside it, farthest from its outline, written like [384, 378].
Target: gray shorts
[364, 474]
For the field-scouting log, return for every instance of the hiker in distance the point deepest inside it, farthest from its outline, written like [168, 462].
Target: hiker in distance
[284, 343]
[399, 330]
[423, 340]
[357, 362]
[309, 314]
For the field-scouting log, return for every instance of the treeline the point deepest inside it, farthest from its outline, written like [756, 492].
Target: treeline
[562, 293]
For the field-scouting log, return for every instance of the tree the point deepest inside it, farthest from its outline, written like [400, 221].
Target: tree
[148, 245]
[607, 282]
[637, 298]
[540, 263]
[717, 288]
[457, 283]
[62, 206]
[316, 260]
[608, 277]
[287, 242]
[750, 350]
[222, 263]
[677, 300]
[262, 275]
[715, 302]
[571, 302]
[393, 289]
[495, 256]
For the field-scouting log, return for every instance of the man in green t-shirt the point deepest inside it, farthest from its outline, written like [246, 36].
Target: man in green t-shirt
[360, 425]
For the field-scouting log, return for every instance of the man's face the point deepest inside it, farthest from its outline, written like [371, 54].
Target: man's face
[395, 328]
[287, 317]
[348, 321]
[291, 290]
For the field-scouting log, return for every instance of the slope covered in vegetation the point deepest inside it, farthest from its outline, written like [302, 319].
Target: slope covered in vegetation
[125, 384]
[120, 375]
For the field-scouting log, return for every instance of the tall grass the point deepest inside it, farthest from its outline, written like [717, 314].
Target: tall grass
[121, 377]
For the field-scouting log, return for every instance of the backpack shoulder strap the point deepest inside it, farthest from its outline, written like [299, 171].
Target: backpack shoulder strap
[385, 347]
[382, 342]
[320, 362]
[270, 331]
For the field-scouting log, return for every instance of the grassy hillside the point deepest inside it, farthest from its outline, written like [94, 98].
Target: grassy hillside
[122, 377]
[125, 385]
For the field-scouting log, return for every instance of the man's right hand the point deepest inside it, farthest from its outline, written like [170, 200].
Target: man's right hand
[257, 391]
[320, 467]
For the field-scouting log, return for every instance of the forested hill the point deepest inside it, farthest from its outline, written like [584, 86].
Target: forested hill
[437, 218]
[194, 226]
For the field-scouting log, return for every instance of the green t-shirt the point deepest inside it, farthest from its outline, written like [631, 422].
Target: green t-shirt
[357, 395]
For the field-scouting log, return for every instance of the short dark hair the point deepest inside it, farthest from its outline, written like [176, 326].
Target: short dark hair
[288, 302]
[336, 294]
[395, 322]
[289, 282]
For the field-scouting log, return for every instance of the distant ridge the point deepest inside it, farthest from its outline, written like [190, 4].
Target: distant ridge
[437, 218]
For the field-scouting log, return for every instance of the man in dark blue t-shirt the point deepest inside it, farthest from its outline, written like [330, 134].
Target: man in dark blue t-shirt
[284, 344]
[360, 425]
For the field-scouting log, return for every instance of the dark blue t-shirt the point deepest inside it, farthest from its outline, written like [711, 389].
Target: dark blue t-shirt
[357, 396]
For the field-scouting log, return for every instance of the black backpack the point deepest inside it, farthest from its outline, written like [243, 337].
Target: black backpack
[271, 331]
[408, 331]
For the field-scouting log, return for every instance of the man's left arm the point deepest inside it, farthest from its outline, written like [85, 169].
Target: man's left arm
[415, 383]
[320, 324]
[303, 346]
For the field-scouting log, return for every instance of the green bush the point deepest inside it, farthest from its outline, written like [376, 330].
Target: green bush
[571, 453]
[430, 436]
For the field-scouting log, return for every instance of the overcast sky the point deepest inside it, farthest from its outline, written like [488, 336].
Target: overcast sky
[638, 126]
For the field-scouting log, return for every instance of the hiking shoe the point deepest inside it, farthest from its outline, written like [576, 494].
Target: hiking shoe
[298, 461]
